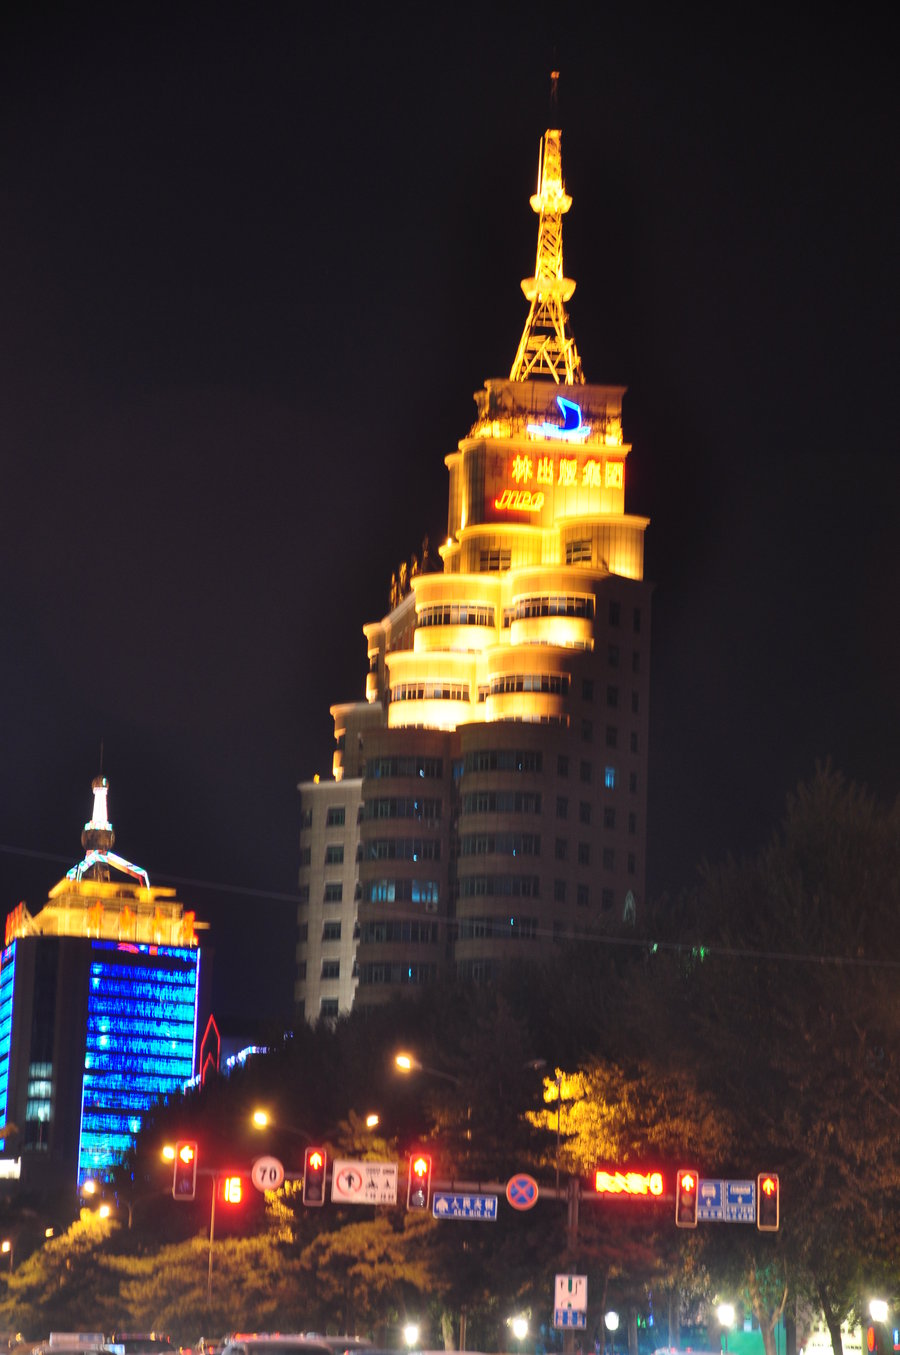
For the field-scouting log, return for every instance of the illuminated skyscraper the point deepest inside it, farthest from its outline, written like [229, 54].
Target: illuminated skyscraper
[493, 783]
[98, 1014]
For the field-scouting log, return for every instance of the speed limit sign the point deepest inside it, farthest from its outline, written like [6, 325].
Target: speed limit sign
[267, 1173]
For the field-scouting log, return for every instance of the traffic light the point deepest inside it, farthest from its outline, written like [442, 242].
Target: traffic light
[232, 1190]
[184, 1174]
[686, 1196]
[768, 1206]
[418, 1190]
[314, 1163]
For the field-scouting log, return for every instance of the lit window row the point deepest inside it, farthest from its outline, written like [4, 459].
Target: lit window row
[554, 604]
[400, 891]
[556, 683]
[397, 974]
[430, 691]
[497, 928]
[456, 614]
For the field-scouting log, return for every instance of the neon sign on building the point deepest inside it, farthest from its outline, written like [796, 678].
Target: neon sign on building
[572, 428]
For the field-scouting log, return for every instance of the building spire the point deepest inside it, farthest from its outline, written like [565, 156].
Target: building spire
[546, 348]
[98, 835]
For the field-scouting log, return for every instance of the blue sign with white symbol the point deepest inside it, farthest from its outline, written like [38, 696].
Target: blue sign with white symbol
[445, 1206]
[569, 1317]
[727, 1202]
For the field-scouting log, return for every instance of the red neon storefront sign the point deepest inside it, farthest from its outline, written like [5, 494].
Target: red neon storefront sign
[627, 1183]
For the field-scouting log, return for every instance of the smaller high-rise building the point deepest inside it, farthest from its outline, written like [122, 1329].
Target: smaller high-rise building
[98, 1015]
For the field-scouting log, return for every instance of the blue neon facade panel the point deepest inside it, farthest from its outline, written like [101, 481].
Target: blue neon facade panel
[7, 987]
[140, 1043]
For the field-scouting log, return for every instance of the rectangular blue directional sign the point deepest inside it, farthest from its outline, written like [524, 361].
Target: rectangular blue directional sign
[445, 1206]
[569, 1317]
[727, 1202]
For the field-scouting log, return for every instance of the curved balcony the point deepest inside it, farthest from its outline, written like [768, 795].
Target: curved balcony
[567, 632]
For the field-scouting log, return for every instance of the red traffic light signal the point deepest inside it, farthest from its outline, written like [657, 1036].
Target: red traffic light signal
[314, 1163]
[418, 1190]
[184, 1174]
[687, 1194]
[232, 1190]
[768, 1203]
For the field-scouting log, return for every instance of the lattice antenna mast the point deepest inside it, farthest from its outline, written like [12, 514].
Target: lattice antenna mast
[546, 348]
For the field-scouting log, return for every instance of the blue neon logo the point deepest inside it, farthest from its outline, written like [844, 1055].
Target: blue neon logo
[572, 429]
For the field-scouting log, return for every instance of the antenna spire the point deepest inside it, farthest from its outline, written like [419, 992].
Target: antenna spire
[546, 347]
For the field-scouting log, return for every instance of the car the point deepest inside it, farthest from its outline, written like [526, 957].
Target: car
[262, 1343]
[139, 1343]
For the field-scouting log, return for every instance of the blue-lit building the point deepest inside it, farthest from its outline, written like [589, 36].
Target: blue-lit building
[99, 998]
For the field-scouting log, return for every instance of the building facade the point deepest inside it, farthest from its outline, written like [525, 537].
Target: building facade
[498, 764]
[99, 1000]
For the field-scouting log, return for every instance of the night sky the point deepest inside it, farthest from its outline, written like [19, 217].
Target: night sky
[255, 260]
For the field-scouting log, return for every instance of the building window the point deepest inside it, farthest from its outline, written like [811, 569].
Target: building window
[305, 856]
[331, 969]
[584, 853]
[609, 817]
[587, 731]
[612, 736]
[631, 863]
[562, 765]
[635, 703]
[584, 811]
[328, 1007]
[492, 560]
[635, 661]
[609, 859]
[587, 689]
[334, 854]
[303, 894]
[562, 848]
[614, 613]
[610, 778]
[612, 697]
[335, 816]
[334, 891]
[585, 773]
[306, 819]
[613, 656]
[578, 552]
[558, 931]
[562, 807]
[632, 823]
[637, 620]
[606, 900]
[633, 742]
[583, 896]
[632, 782]
[331, 931]
[559, 891]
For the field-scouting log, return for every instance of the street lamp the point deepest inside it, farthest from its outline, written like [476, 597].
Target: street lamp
[725, 1314]
[411, 1334]
[7, 1246]
[519, 1328]
[878, 1310]
[408, 1063]
[373, 1120]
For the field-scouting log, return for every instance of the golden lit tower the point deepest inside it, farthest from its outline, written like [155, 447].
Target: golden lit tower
[546, 348]
[490, 793]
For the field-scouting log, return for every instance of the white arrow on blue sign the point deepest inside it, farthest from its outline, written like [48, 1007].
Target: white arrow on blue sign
[445, 1206]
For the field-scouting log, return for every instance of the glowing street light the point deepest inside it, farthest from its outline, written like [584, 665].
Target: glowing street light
[373, 1121]
[104, 1211]
[260, 1118]
[611, 1321]
[725, 1314]
[408, 1063]
[6, 1247]
[411, 1334]
[519, 1327]
[878, 1310]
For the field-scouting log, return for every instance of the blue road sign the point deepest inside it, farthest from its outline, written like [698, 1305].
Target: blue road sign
[569, 1317]
[727, 1202]
[445, 1206]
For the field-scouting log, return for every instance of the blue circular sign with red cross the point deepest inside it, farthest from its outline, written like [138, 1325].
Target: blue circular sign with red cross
[522, 1191]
